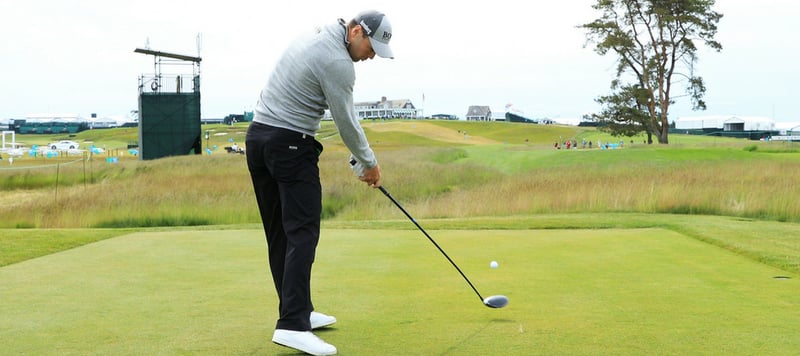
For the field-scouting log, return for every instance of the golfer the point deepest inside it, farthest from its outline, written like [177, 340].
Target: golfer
[315, 73]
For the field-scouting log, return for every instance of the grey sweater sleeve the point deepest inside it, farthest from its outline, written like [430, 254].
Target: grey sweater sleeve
[337, 85]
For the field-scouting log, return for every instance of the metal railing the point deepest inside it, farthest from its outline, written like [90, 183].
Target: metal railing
[169, 83]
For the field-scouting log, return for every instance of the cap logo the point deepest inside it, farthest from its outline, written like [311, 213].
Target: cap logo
[378, 29]
[366, 28]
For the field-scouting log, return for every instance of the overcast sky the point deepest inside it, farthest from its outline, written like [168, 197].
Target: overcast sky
[76, 57]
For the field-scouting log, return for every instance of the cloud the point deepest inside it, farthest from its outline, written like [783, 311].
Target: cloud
[65, 56]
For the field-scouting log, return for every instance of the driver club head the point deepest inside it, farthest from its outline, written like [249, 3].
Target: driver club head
[496, 301]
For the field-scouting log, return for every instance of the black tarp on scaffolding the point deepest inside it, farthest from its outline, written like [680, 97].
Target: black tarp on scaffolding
[169, 124]
[169, 116]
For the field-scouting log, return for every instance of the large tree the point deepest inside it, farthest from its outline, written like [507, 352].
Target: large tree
[625, 112]
[655, 42]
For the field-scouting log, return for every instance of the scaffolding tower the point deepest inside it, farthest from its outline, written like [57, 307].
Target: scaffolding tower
[169, 115]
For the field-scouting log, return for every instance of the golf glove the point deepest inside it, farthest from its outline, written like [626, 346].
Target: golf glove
[357, 167]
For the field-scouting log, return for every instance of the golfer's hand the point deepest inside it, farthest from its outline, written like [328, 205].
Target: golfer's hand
[372, 176]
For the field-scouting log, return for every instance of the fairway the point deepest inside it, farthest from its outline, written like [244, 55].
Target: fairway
[429, 130]
[603, 291]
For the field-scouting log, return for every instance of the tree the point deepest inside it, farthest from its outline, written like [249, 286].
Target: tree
[624, 113]
[655, 43]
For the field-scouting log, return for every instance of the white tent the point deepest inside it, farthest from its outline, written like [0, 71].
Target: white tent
[726, 123]
[785, 127]
[498, 116]
[567, 121]
[700, 122]
[53, 118]
[749, 123]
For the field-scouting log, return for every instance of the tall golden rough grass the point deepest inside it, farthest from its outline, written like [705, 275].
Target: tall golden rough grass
[430, 182]
[193, 188]
[756, 189]
[409, 175]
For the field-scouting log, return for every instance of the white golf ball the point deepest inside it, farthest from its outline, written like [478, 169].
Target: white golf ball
[493, 264]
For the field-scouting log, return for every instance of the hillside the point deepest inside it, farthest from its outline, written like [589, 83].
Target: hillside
[499, 169]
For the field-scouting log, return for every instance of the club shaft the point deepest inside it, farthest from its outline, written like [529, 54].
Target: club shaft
[385, 192]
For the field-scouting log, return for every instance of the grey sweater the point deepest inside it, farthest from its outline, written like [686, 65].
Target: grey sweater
[315, 73]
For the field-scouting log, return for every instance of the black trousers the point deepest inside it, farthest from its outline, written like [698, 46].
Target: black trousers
[283, 165]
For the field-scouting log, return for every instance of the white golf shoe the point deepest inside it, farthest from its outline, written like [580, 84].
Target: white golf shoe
[319, 320]
[304, 341]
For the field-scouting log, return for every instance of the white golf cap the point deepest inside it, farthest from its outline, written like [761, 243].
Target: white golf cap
[379, 30]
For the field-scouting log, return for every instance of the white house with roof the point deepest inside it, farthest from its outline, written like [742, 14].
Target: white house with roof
[386, 109]
[479, 113]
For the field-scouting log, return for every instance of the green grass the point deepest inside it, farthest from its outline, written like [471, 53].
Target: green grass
[402, 140]
[517, 133]
[648, 249]
[18, 245]
[574, 291]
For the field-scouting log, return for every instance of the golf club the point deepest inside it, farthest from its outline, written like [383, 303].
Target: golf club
[494, 301]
